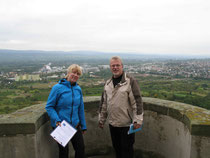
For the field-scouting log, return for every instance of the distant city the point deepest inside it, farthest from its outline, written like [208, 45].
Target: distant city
[185, 69]
[26, 77]
[29, 65]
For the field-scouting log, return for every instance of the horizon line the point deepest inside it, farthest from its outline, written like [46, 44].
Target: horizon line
[110, 52]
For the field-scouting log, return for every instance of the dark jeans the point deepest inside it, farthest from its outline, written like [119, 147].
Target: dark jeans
[78, 145]
[122, 142]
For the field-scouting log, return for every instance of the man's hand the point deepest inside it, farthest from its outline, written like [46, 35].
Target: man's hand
[135, 125]
[58, 124]
[100, 125]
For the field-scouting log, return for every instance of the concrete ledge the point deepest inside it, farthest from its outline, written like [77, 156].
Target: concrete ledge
[171, 130]
[195, 118]
[29, 120]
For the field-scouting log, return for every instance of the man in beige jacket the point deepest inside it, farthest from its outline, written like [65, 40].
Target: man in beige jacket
[121, 104]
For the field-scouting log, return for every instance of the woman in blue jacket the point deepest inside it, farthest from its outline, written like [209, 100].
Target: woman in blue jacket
[65, 102]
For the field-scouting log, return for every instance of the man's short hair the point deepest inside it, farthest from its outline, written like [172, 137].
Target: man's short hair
[116, 58]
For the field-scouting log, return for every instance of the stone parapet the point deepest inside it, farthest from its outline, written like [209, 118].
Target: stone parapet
[195, 118]
[29, 119]
[169, 128]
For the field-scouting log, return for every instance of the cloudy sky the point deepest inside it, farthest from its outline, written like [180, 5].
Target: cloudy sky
[138, 26]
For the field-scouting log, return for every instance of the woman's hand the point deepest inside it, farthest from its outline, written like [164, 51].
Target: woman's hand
[58, 124]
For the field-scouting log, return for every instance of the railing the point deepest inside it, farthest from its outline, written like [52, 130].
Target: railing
[171, 130]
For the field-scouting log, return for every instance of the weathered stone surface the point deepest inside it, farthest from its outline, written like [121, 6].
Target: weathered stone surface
[195, 118]
[29, 119]
[169, 127]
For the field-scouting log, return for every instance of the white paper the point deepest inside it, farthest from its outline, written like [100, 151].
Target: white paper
[62, 134]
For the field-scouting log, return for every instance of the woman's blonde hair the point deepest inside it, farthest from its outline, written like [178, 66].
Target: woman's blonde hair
[74, 67]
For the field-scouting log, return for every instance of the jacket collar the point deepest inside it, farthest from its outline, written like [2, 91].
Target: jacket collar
[123, 80]
[66, 83]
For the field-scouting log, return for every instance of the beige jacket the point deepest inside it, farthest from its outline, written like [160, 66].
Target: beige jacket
[122, 104]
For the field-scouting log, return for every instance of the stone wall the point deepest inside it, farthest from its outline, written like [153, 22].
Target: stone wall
[170, 130]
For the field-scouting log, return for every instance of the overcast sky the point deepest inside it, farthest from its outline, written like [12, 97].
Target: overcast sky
[138, 26]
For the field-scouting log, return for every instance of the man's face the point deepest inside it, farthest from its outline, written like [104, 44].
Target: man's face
[116, 68]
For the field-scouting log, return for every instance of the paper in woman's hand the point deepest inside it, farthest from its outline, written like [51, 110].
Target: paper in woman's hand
[63, 134]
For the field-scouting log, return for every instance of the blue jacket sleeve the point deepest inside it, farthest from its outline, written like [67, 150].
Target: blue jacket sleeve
[82, 114]
[51, 105]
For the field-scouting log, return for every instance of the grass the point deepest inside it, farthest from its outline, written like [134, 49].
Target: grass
[196, 92]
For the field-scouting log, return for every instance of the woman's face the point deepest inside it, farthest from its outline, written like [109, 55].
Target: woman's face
[73, 76]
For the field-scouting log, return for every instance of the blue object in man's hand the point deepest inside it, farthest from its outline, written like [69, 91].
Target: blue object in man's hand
[131, 130]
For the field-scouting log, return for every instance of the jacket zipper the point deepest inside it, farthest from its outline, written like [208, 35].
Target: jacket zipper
[72, 104]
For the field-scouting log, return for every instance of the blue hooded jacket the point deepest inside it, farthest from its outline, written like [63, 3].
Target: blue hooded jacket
[65, 102]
